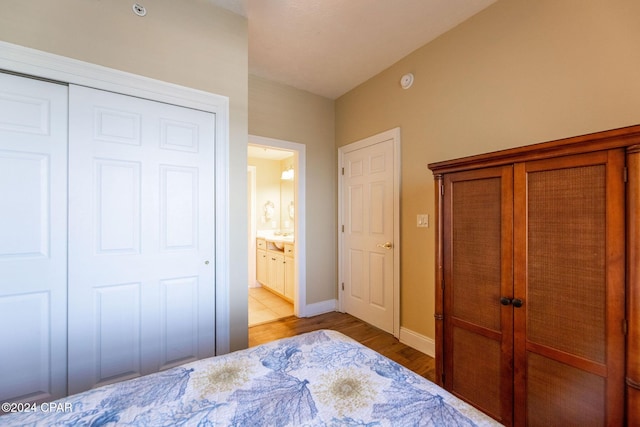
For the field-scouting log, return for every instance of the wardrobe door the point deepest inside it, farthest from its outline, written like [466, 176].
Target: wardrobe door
[33, 239]
[569, 279]
[141, 284]
[477, 227]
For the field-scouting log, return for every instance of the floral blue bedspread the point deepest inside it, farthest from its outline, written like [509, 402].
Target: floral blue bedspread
[321, 378]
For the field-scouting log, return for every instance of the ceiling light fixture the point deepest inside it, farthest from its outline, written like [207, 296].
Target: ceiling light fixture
[287, 175]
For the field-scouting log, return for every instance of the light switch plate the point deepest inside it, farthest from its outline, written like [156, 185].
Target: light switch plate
[423, 220]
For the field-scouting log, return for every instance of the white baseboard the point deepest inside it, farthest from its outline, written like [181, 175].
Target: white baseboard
[407, 336]
[419, 342]
[319, 308]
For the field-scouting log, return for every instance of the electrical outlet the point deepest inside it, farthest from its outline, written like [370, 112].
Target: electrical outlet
[423, 220]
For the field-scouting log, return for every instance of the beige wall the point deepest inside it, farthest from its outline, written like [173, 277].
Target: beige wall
[282, 112]
[199, 46]
[518, 73]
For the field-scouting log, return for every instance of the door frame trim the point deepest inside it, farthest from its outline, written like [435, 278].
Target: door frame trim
[251, 244]
[45, 65]
[300, 236]
[391, 134]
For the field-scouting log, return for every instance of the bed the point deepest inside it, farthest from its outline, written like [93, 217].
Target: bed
[321, 378]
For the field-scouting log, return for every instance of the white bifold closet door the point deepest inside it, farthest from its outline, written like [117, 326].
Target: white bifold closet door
[141, 237]
[33, 239]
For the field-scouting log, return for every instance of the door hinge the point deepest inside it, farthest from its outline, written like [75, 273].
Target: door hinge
[624, 327]
[625, 173]
[442, 378]
[342, 171]
[442, 284]
[442, 190]
[343, 286]
[343, 228]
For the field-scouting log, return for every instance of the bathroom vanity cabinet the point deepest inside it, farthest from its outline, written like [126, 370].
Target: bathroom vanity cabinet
[275, 267]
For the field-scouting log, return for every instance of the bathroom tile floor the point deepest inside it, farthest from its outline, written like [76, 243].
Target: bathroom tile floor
[265, 306]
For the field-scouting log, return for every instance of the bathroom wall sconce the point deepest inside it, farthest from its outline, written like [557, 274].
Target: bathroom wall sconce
[268, 209]
[287, 175]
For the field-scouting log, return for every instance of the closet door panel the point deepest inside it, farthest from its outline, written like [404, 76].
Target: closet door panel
[117, 325]
[118, 204]
[570, 278]
[33, 239]
[477, 264]
[141, 237]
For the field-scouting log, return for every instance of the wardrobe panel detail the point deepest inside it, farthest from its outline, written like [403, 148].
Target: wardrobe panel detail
[548, 385]
[566, 259]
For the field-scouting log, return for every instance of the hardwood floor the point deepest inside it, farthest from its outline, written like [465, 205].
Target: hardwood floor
[360, 331]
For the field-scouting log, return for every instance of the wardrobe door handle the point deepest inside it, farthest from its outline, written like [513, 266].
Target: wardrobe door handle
[505, 301]
[517, 303]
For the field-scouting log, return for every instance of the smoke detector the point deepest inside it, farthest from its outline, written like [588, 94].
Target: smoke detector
[406, 81]
[139, 9]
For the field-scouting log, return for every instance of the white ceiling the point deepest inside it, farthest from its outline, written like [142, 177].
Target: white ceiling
[238, 7]
[328, 47]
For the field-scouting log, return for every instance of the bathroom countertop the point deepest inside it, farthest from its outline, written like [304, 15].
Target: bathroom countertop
[275, 237]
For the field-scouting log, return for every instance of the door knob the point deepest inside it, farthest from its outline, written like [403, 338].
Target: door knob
[517, 302]
[386, 245]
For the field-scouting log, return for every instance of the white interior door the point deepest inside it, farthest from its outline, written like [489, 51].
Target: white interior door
[369, 235]
[33, 239]
[141, 215]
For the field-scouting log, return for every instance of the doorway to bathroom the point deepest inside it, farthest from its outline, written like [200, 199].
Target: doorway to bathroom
[275, 179]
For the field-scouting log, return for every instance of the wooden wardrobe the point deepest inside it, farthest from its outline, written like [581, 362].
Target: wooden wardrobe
[537, 281]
